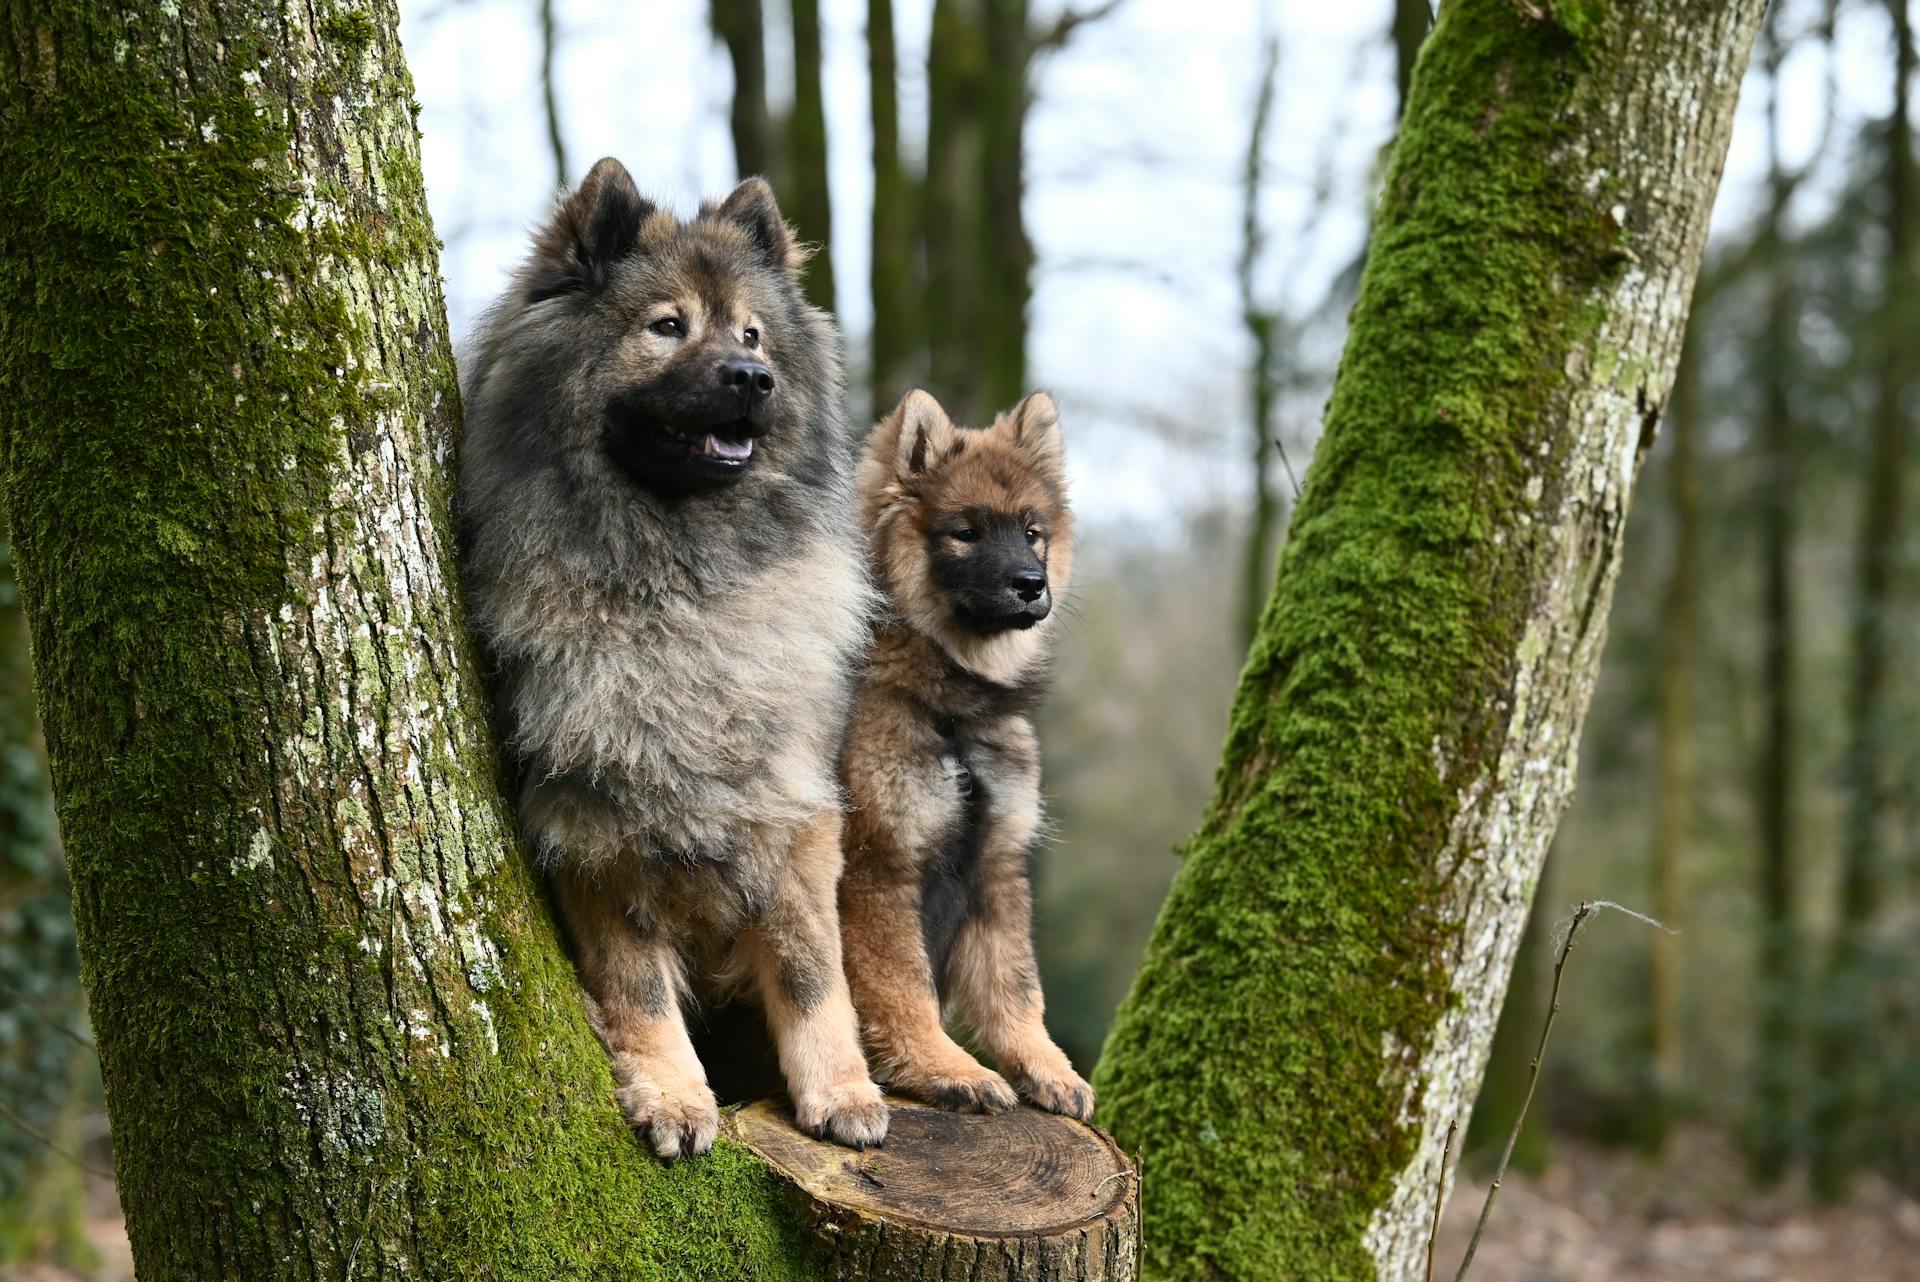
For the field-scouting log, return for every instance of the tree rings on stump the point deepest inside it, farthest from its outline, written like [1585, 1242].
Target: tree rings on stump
[1022, 1195]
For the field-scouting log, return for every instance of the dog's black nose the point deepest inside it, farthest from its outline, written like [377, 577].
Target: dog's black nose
[1029, 584]
[751, 381]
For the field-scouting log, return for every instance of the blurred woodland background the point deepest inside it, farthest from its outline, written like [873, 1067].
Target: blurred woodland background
[1159, 213]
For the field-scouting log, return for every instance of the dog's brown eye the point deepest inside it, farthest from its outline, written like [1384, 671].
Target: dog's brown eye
[1033, 534]
[751, 337]
[668, 327]
[966, 534]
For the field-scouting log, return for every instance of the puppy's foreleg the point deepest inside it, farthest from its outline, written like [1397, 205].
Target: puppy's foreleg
[894, 992]
[633, 978]
[803, 985]
[997, 981]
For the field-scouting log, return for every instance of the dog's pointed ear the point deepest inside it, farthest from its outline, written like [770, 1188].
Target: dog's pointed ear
[926, 434]
[1034, 426]
[753, 208]
[596, 225]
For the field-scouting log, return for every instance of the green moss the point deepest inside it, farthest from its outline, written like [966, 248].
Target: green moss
[1263, 1060]
[304, 932]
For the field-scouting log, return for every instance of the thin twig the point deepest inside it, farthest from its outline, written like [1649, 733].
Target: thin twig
[1069, 22]
[35, 1132]
[1580, 915]
[1439, 1197]
[1287, 463]
[57, 1025]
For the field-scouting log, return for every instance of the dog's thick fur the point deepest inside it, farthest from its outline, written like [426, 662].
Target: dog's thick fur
[673, 653]
[971, 535]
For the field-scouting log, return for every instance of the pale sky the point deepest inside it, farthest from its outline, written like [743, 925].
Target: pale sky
[1134, 153]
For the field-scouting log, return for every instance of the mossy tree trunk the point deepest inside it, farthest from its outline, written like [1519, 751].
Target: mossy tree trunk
[1317, 1000]
[338, 1035]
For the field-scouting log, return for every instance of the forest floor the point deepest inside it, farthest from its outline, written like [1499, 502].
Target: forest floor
[1595, 1215]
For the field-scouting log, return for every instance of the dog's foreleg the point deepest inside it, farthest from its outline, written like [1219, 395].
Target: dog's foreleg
[997, 981]
[894, 991]
[797, 967]
[633, 979]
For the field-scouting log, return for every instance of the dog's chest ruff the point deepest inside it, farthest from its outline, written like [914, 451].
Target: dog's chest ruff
[705, 723]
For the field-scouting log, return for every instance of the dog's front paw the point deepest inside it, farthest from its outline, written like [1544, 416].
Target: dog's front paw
[971, 1088]
[679, 1121]
[1060, 1091]
[851, 1113]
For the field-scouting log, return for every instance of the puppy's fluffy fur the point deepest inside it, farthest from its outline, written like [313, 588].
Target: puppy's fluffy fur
[672, 625]
[971, 535]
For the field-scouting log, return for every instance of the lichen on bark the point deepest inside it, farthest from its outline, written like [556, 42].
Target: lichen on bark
[338, 1035]
[1322, 986]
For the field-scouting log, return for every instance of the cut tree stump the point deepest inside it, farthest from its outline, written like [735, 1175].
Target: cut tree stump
[1022, 1195]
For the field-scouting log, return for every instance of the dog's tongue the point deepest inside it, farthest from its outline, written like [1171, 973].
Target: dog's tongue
[721, 447]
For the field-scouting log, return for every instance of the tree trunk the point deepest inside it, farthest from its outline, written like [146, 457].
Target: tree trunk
[806, 195]
[338, 1034]
[1006, 252]
[897, 337]
[1261, 325]
[953, 214]
[741, 27]
[1316, 1003]
[1771, 1124]
[1838, 1143]
[1673, 781]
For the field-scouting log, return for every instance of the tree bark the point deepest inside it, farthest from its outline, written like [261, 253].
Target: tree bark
[1411, 21]
[806, 195]
[1316, 1003]
[1771, 1124]
[1673, 781]
[338, 1034]
[1838, 1142]
[897, 330]
[741, 27]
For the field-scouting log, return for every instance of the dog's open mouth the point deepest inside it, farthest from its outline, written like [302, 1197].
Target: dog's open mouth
[723, 443]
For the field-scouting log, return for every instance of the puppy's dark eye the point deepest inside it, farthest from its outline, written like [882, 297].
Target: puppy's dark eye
[669, 327]
[751, 337]
[966, 534]
[1033, 534]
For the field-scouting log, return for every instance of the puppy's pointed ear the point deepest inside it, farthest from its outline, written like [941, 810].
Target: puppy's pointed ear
[927, 435]
[1034, 426]
[753, 208]
[595, 226]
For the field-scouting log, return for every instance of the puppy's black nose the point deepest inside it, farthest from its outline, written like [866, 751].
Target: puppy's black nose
[1029, 584]
[751, 381]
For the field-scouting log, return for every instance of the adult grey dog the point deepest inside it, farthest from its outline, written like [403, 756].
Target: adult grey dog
[662, 565]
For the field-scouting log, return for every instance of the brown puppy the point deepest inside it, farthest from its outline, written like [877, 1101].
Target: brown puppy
[971, 538]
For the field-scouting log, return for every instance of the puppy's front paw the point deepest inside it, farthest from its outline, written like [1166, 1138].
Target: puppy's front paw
[679, 1121]
[1060, 1091]
[850, 1113]
[968, 1089]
